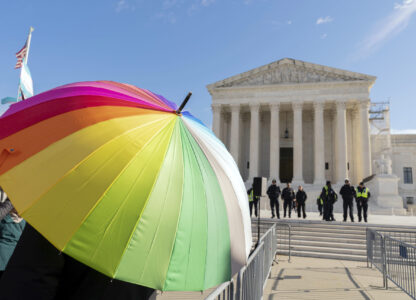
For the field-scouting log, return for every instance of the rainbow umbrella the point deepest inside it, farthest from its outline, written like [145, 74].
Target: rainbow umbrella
[117, 178]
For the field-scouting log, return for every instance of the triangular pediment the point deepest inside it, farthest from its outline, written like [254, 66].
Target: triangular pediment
[290, 71]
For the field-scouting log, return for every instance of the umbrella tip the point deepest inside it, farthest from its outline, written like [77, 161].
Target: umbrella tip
[179, 110]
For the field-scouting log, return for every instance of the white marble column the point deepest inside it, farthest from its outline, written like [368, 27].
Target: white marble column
[297, 143]
[364, 134]
[341, 141]
[319, 150]
[274, 141]
[254, 140]
[216, 120]
[235, 132]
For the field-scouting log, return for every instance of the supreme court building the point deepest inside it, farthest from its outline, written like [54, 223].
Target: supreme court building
[306, 123]
[295, 121]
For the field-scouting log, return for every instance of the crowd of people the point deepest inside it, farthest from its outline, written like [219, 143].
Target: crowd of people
[325, 202]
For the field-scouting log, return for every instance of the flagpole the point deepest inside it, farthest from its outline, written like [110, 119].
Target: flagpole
[29, 39]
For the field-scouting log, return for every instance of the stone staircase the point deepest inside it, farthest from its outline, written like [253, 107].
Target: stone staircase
[335, 240]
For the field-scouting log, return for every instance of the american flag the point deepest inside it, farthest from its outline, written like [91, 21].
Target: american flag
[21, 56]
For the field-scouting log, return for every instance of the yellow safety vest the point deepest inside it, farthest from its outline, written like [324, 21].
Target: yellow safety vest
[250, 197]
[362, 194]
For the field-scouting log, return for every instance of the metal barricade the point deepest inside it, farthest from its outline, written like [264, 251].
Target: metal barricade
[250, 278]
[393, 253]
[269, 251]
[224, 292]
[283, 239]
[400, 258]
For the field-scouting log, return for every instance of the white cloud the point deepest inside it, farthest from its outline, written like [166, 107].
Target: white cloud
[390, 26]
[327, 19]
[122, 5]
[323, 36]
[403, 131]
[207, 2]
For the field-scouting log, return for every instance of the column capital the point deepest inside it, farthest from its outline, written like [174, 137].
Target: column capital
[274, 106]
[235, 107]
[342, 105]
[364, 104]
[216, 107]
[297, 105]
[254, 107]
[319, 105]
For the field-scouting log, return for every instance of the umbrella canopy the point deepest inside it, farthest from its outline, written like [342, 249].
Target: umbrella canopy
[111, 175]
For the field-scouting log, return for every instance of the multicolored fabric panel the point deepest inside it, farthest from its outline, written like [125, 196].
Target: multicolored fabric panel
[112, 176]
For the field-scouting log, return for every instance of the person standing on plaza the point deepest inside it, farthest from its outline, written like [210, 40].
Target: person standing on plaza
[329, 197]
[301, 199]
[11, 227]
[252, 201]
[288, 195]
[362, 196]
[348, 193]
[274, 192]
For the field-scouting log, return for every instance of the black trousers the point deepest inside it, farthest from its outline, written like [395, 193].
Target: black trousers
[348, 205]
[362, 205]
[320, 209]
[251, 204]
[301, 207]
[274, 203]
[287, 204]
[328, 211]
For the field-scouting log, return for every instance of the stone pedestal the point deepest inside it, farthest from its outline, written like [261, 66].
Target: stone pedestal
[385, 192]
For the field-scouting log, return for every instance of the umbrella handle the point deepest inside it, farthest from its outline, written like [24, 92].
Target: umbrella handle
[179, 110]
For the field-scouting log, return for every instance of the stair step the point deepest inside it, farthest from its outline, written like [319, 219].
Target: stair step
[325, 244]
[330, 240]
[325, 255]
[329, 250]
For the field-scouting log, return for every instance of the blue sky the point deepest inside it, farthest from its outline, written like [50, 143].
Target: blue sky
[175, 46]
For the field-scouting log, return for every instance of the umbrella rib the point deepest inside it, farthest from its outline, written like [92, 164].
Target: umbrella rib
[189, 136]
[144, 207]
[88, 156]
[109, 187]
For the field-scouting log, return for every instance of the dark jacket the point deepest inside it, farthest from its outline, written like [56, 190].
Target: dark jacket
[329, 196]
[288, 194]
[301, 196]
[38, 271]
[273, 191]
[9, 236]
[347, 192]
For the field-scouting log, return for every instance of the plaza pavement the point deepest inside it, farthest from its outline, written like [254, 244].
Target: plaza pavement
[315, 278]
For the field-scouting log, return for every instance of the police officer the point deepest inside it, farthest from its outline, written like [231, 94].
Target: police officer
[329, 197]
[274, 192]
[362, 196]
[252, 201]
[300, 200]
[348, 193]
[288, 195]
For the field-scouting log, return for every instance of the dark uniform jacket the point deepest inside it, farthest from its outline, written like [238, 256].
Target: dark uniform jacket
[347, 192]
[37, 271]
[329, 196]
[288, 194]
[273, 191]
[301, 196]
